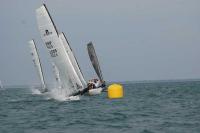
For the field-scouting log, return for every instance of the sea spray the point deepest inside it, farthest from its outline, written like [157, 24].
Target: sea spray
[35, 91]
[60, 95]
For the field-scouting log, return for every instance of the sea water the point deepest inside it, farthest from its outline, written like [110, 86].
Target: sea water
[147, 107]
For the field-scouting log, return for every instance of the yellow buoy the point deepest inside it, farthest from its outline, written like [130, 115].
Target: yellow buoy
[115, 91]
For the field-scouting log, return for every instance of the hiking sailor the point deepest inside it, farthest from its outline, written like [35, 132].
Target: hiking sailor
[92, 84]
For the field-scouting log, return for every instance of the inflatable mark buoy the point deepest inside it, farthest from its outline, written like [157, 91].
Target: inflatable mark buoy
[115, 91]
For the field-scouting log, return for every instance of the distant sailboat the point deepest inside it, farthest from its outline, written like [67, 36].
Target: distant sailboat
[1, 85]
[37, 64]
[68, 76]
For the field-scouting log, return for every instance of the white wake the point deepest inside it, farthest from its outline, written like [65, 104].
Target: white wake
[60, 95]
[55, 93]
[35, 91]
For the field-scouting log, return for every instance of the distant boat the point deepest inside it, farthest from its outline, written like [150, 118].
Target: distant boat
[1, 85]
[37, 64]
[55, 46]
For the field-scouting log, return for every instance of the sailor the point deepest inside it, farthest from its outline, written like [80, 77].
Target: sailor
[92, 84]
[97, 83]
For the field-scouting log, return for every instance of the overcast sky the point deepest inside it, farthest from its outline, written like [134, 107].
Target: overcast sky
[134, 39]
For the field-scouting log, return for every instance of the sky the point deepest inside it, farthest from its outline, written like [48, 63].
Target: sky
[134, 39]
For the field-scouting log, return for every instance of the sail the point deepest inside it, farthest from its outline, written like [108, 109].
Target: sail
[57, 76]
[37, 64]
[73, 59]
[94, 60]
[1, 85]
[56, 50]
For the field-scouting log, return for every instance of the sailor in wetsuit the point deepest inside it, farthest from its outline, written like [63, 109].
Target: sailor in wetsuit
[92, 84]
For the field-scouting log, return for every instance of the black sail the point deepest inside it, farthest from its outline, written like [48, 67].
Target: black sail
[94, 60]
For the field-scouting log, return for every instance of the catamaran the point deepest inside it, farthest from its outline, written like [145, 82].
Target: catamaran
[49, 34]
[70, 74]
[37, 64]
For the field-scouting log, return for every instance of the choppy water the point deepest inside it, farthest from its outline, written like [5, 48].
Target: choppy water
[167, 107]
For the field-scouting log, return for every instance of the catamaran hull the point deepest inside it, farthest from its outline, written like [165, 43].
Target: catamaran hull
[95, 91]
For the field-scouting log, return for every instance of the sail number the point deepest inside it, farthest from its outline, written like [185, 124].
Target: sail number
[53, 53]
[49, 45]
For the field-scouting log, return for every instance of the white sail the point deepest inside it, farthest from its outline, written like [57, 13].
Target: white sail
[73, 59]
[57, 76]
[37, 64]
[56, 50]
[1, 85]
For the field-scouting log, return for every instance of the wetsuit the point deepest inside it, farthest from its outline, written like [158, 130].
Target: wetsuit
[90, 86]
[81, 92]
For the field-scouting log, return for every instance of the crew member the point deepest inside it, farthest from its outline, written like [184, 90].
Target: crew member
[92, 84]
